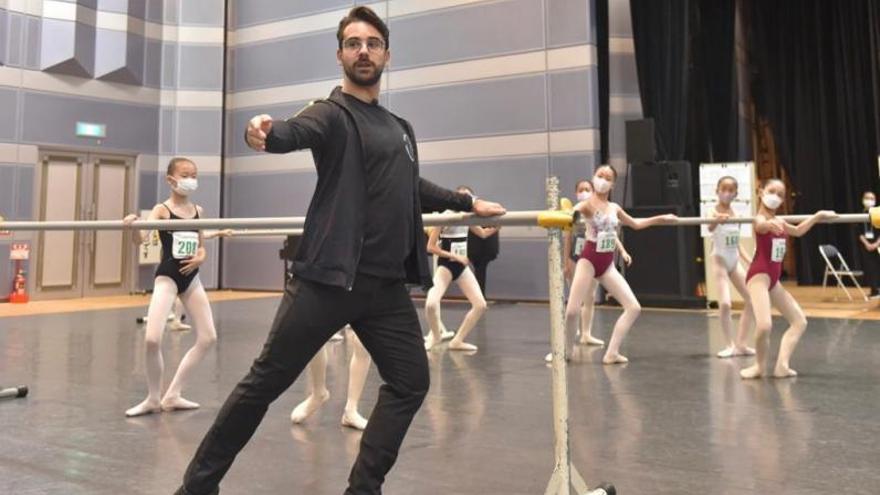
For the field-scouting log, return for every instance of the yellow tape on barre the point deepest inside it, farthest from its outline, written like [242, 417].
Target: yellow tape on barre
[875, 216]
[565, 204]
[554, 219]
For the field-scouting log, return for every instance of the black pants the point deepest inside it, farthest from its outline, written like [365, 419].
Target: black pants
[480, 266]
[871, 266]
[382, 314]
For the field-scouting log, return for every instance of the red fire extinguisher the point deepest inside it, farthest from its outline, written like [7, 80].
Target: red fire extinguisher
[19, 288]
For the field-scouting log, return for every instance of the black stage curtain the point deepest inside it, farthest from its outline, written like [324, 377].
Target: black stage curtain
[603, 59]
[815, 67]
[685, 61]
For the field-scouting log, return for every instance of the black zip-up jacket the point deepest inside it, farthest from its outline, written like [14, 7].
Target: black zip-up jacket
[333, 237]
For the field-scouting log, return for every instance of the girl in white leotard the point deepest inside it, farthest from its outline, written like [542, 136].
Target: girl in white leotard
[726, 253]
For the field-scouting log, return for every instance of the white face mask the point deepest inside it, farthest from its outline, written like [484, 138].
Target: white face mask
[771, 200]
[584, 195]
[726, 197]
[869, 203]
[601, 185]
[186, 186]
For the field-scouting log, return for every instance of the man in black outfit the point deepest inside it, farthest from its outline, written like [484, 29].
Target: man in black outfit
[362, 243]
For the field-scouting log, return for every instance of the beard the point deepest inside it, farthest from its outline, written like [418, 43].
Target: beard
[369, 79]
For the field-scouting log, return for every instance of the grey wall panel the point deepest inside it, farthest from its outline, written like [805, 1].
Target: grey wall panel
[263, 11]
[67, 47]
[468, 32]
[574, 99]
[501, 106]
[4, 36]
[16, 192]
[33, 33]
[168, 131]
[129, 127]
[147, 189]
[198, 132]
[120, 6]
[24, 199]
[6, 269]
[311, 57]
[571, 22]
[171, 11]
[201, 67]
[119, 57]
[208, 194]
[624, 78]
[153, 63]
[517, 182]
[154, 11]
[573, 168]
[203, 12]
[169, 65]
[8, 192]
[16, 25]
[270, 194]
[9, 104]
[253, 264]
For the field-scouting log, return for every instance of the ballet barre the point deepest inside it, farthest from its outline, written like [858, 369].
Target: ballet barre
[517, 218]
[263, 226]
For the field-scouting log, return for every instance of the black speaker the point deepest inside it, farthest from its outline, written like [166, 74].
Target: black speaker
[665, 271]
[662, 184]
[640, 141]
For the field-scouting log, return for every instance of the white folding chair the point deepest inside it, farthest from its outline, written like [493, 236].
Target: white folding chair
[829, 253]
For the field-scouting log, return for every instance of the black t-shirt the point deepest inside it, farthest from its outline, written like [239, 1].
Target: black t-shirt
[389, 164]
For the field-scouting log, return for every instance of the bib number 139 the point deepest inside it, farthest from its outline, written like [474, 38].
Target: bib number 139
[185, 245]
[605, 242]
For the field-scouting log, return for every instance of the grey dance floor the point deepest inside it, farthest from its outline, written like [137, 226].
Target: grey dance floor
[673, 421]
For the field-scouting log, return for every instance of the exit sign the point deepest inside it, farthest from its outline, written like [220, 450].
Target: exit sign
[91, 130]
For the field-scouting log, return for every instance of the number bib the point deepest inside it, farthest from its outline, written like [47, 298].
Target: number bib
[777, 251]
[579, 245]
[605, 242]
[184, 245]
[731, 240]
[459, 248]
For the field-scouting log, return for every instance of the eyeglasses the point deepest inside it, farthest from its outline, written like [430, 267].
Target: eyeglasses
[357, 44]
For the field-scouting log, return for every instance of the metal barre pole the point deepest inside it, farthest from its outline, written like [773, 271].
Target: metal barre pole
[513, 218]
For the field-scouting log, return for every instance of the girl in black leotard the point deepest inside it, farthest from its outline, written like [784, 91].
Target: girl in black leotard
[450, 245]
[177, 276]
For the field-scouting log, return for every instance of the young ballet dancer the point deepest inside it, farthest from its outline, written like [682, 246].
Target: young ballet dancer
[573, 242]
[176, 317]
[763, 281]
[176, 276]
[726, 253]
[597, 260]
[450, 245]
[358, 368]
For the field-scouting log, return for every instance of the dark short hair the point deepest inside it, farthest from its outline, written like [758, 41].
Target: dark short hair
[172, 164]
[363, 14]
[578, 183]
[727, 177]
[613, 171]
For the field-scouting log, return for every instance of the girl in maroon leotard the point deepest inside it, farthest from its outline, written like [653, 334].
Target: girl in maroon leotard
[596, 262]
[763, 281]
